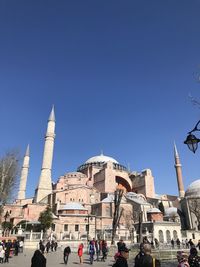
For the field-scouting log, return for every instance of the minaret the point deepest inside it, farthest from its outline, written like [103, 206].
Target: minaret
[178, 168]
[24, 175]
[45, 183]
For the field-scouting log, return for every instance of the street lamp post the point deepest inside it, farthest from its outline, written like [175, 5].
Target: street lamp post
[140, 227]
[88, 225]
[191, 140]
[88, 219]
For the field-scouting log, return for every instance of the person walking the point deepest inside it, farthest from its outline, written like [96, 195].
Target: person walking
[48, 245]
[156, 242]
[97, 249]
[194, 259]
[190, 242]
[147, 260]
[55, 245]
[80, 253]
[21, 246]
[16, 247]
[178, 243]
[139, 255]
[91, 251]
[7, 253]
[105, 250]
[66, 253]
[38, 259]
[2, 254]
[172, 243]
[186, 243]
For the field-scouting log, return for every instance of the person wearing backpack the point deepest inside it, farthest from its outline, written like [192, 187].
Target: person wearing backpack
[91, 251]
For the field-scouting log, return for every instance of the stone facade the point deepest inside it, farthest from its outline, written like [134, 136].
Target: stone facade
[82, 201]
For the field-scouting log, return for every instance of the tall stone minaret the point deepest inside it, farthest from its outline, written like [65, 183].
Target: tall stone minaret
[179, 176]
[45, 183]
[24, 175]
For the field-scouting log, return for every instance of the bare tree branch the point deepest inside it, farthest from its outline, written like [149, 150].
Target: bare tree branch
[9, 169]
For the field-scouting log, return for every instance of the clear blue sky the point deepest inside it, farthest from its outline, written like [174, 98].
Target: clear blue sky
[119, 74]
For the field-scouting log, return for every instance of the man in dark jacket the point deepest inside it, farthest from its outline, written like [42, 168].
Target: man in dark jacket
[122, 258]
[139, 255]
[147, 260]
[67, 251]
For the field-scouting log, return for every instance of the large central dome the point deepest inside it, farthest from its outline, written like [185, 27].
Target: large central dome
[101, 158]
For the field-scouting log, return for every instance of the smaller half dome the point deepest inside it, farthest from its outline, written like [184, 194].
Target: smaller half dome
[154, 210]
[171, 212]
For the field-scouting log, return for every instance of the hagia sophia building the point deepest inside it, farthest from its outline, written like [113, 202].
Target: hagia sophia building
[82, 201]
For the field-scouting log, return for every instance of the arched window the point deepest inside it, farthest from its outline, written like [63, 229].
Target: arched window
[175, 235]
[161, 236]
[168, 236]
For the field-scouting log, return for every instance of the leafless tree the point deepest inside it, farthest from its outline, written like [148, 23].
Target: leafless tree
[9, 169]
[117, 212]
[129, 221]
[194, 206]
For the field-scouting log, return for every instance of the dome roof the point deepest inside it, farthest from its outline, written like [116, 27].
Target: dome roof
[108, 199]
[171, 212]
[193, 189]
[73, 206]
[154, 210]
[100, 158]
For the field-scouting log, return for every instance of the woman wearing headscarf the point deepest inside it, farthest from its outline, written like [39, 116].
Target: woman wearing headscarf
[38, 259]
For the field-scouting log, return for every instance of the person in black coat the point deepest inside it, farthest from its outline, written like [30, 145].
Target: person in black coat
[66, 253]
[194, 259]
[139, 255]
[122, 258]
[38, 259]
[147, 260]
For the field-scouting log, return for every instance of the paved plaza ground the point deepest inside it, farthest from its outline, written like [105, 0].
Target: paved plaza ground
[55, 259]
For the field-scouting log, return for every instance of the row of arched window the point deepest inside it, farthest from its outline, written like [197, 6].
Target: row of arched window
[167, 235]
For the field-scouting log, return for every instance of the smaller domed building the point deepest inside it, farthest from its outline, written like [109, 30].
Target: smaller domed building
[190, 207]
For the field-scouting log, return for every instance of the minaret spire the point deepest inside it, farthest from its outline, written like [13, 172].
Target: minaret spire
[45, 183]
[52, 115]
[179, 176]
[24, 175]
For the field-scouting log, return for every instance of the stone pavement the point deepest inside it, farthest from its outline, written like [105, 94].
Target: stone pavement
[55, 259]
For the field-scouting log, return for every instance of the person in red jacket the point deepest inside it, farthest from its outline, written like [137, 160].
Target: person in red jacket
[80, 253]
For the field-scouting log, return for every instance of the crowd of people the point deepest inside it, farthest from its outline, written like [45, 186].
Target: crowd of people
[9, 248]
[97, 250]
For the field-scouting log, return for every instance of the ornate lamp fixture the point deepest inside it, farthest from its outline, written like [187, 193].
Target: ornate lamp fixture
[191, 140]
